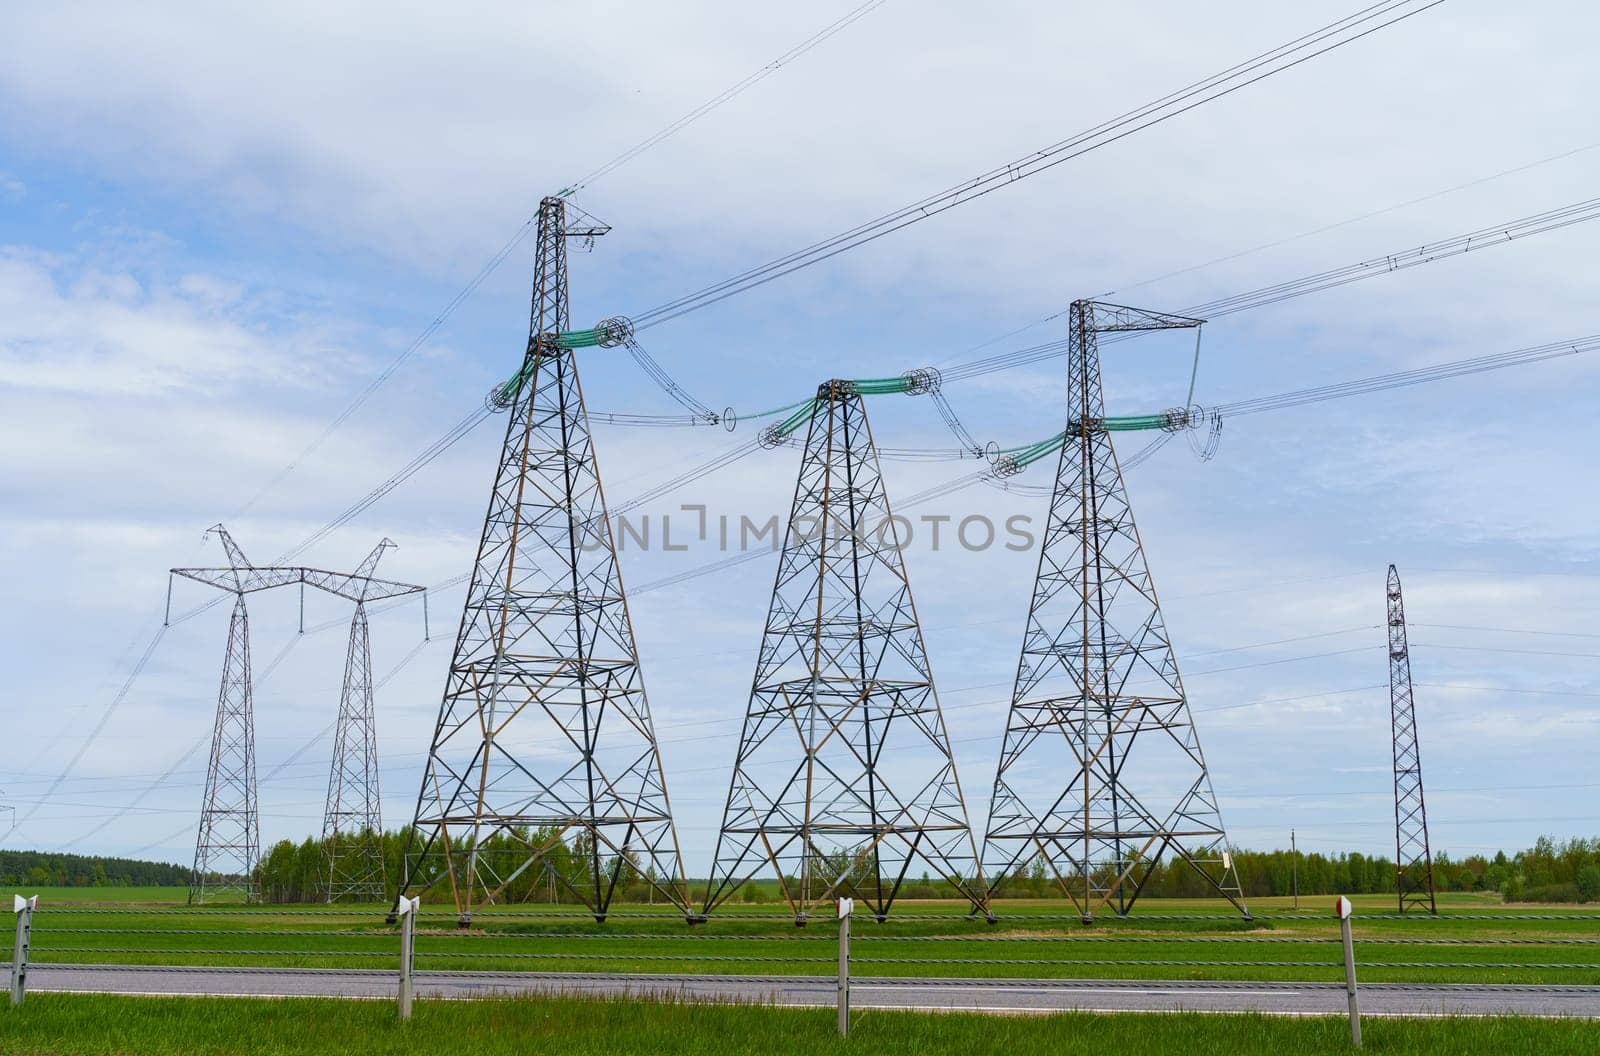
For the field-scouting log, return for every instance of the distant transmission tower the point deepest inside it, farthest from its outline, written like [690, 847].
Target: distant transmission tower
[844, 781]
[1413, 862]
[1101, 774]
[544, 767]
[228, 846]
[352, 823]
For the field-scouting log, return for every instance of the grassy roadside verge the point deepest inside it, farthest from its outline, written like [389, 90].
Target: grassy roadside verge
[81, 1025]
[1470, 942]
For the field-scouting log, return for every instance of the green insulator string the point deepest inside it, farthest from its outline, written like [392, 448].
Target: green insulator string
[784, 429]
[882, 386]
[582, 338]
[1015, 459]
[1137, 422]
[1025, 456]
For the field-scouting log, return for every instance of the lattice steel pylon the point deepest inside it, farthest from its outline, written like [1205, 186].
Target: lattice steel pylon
[228, 845]
[844, 780]
[352, 820]
[1101, 772]
[1413, 861]
[543, 766]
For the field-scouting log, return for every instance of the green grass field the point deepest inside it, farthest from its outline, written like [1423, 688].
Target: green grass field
[1474, 939]
[80, 1025]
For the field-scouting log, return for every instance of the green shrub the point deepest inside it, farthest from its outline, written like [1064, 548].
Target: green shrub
[1589, 883]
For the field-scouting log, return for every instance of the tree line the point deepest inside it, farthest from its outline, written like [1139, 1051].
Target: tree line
[39, 869]
[1547, 872]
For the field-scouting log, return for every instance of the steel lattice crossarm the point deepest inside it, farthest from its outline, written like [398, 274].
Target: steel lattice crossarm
[1101, 773]
[1120, 318]
[249, 579]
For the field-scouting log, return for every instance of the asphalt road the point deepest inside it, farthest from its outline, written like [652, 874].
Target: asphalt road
[997, 995]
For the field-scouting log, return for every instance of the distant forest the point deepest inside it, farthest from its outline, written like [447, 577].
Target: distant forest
[1547, 872]
[39, 869]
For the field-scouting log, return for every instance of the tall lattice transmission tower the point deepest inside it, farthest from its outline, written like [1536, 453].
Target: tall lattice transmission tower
[1101, 773]
[1413, 861]
[352, 821]
[844, 782]
[544, 768]
[228, 844]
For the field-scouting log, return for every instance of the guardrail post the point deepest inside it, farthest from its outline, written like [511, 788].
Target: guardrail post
[1342, 908]
[24, 908]
[845, 906]
[408, 950]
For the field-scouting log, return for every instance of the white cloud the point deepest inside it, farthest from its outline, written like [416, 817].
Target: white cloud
[108, 333]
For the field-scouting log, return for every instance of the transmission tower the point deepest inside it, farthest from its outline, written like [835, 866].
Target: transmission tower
[1101, 773]
[842, 679]
[228, 846]
[544, 767]
[1413, 862]
[352, 823]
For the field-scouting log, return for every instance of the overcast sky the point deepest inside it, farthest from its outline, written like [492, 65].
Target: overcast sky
[219, 222]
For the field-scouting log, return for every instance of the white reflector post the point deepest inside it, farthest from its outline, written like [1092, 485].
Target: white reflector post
[407, 912]
[845, 907]
[1342, 909]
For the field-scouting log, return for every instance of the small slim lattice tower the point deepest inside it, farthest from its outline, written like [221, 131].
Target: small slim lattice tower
[1412, 859]
[844, 781]
[1101, 773]
[228, 845]
[544, 771]
[352, 820]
